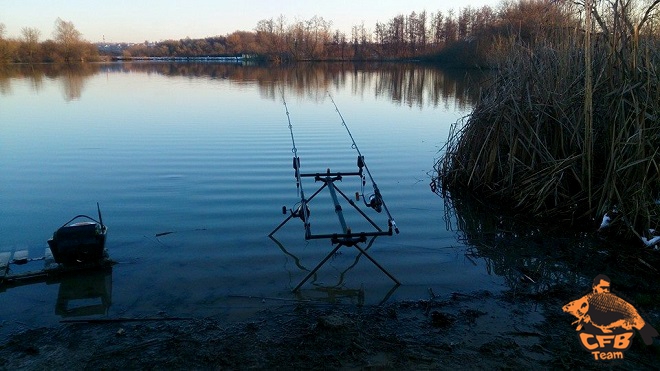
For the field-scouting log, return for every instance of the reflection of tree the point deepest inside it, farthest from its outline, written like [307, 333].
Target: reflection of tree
[72, 76]
[406, 84]
[5, 86]
[543, 259]
[72, 85]
[36, 80]
[409, 84]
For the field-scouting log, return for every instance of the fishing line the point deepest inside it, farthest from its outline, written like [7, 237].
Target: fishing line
[347, 238]
[378, 201]
[302, 211]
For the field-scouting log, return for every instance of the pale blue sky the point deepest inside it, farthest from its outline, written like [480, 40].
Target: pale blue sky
[137, 21]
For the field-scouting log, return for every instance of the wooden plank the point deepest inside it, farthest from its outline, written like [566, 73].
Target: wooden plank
[4, 259]
[20, 257]
[49, 260]
[4, 263]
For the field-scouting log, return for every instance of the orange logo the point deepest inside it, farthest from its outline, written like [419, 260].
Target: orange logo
[605, 322]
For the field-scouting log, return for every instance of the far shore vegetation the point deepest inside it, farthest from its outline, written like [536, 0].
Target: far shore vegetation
[469, 37]
[66, 46]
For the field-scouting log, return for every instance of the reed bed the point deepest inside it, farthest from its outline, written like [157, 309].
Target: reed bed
[529, 143]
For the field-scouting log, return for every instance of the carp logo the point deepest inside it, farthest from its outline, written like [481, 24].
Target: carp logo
[605, 322]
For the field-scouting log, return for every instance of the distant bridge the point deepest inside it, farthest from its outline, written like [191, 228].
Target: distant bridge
[223, 59]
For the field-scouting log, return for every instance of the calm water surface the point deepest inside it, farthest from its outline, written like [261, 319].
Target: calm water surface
[191, 164]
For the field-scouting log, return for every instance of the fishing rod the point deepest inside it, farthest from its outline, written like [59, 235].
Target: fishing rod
[346, 237]
[376, 200]
[302, 211]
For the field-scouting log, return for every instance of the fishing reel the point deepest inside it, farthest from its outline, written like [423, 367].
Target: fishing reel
[375, 201]
[298, 211]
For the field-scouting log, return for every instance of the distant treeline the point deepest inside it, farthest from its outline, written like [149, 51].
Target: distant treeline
[67, 46]
[469, 36]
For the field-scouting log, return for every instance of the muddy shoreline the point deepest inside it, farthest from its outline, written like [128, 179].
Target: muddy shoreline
[478, 330]
[522, 327]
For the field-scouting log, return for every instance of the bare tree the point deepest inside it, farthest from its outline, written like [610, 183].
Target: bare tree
[422, 30]
[396, 34]
[465, 17]
[437, 30]
[624, 21]
[7, 47]
[317, 36]
[70, 40]
[411, 32]
[450, 29]
[340, 42]
[30, 35]
[266, 36]
[484, 18]
[280, 31]
[31, 45]
[355, 37]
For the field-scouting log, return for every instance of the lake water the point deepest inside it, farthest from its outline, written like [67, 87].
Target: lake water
[191, 165]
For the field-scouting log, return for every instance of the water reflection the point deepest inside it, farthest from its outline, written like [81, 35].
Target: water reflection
[72, 77]
[413, 85]
[332, 293]
[81, 292]
[543, 259]
[86, 294]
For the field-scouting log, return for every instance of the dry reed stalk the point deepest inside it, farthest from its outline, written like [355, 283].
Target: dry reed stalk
[588, 103]
[529, 143]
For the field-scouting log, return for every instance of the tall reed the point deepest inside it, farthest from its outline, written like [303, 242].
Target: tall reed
[531, 144]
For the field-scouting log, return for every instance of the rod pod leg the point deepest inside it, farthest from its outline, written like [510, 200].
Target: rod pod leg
[318, 267]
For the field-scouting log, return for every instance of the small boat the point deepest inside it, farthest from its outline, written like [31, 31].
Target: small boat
[80, 242]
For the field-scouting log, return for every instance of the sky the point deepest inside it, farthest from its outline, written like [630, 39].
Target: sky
[156, 20]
